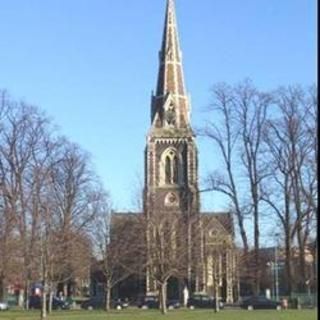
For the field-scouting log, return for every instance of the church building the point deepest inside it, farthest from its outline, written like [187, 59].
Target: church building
[171, 188]
[171, 169]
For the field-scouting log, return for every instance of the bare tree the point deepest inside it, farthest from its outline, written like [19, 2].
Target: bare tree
[50, 251]
[76, 193]
[22, 136]
[252, 116]
[167, 248]
[291, 192]
[6, 215]
[242, 111]
[48, 197]
[226, 136]
[117, 240]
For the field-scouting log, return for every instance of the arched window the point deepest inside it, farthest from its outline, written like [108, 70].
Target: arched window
[175, 168]
[169, 167]
[168, 170]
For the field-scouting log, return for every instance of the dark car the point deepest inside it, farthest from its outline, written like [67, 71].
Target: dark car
[202, 301]
[152, 302]
[148, 302]
[258, 302]
[120, 304]
[92, 303]
[58, 304]
[35, 302]
[95, 303]
[173, 304]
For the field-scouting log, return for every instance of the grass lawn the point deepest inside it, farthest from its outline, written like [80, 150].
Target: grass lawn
[174, 315]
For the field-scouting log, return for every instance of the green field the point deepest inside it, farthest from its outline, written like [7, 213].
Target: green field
[174, 315]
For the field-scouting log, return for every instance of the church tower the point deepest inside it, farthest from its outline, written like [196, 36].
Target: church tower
[191, 251]
[171, 157]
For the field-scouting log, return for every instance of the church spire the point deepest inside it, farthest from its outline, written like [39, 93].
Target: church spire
[170, 78]
[170, 74]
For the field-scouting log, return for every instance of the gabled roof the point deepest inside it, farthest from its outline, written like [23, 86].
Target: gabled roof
[223, 218]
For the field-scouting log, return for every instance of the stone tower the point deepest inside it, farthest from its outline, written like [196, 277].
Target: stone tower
[171, 178]
[171, 157]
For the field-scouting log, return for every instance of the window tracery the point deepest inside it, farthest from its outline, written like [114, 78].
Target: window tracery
[170, 167]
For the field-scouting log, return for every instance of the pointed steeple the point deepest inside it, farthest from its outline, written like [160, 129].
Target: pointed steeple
[170, 85]
[170, 78]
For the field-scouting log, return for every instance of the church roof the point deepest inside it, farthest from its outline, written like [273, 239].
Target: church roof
[122, 216]
[224, 218]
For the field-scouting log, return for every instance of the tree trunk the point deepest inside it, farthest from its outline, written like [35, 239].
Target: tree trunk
[216, 287]
[288, 262]
[163, 297]
[302, 260]
[189, 262]
[44, 303]
[108, 298]
[2, 287]
[238, 211]
[50, 301]
[65, 289]
[256, 253]
[26, 294]
[216, 307]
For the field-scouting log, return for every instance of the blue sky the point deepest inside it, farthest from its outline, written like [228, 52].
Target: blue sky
[91, 65]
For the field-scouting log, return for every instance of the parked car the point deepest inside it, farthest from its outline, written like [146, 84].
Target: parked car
[203, 301]
[125, 303]
[152, 302]
[148, 302]
[120, 304]
[35, 302]
[4, 306]
[259, 302]
[173, 304]
[58, 304]
[92, 303]
[98, 303]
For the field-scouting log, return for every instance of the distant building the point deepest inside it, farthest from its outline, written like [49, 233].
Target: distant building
[273, 269]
